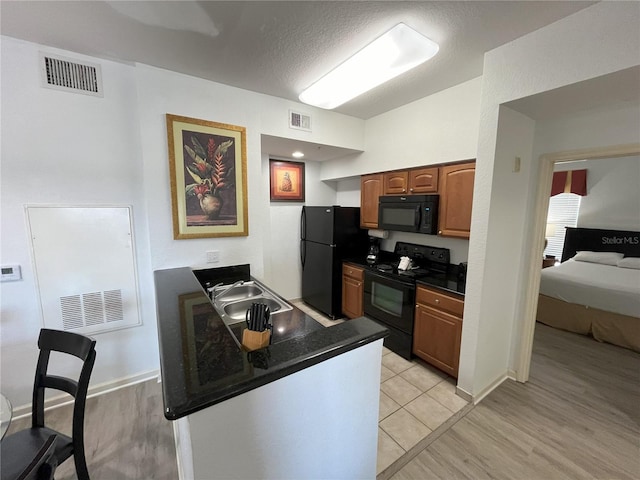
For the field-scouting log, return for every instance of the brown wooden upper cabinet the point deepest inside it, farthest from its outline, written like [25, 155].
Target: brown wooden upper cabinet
[423, 180]
[456, 198]
[371, 187]
[396, 182]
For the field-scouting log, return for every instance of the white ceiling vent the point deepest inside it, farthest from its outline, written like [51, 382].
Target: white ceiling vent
[299, 121]
[67, 74]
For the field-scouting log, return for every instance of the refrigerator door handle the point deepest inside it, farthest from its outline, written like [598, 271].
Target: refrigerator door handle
[303, 252]
[303, 224]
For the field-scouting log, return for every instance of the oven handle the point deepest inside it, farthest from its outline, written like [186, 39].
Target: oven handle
[387, 279]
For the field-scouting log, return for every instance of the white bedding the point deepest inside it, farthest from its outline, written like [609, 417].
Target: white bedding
[605, 287]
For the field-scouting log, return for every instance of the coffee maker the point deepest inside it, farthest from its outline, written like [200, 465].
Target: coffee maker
[374, 250]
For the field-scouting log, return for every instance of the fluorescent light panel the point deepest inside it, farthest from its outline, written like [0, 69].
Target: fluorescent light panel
[395, 52]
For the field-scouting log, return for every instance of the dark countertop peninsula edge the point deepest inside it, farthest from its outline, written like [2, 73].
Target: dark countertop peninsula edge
[200, 361]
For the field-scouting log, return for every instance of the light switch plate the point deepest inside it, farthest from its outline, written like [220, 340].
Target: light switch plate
[11, 273]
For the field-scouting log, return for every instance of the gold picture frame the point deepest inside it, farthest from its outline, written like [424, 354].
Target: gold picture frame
[208, 173]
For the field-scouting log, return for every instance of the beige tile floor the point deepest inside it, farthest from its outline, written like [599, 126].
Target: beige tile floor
[415, 399]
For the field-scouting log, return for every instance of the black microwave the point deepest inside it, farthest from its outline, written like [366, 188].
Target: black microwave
[409, 213]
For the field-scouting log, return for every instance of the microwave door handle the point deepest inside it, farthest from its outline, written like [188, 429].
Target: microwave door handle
[417, 219]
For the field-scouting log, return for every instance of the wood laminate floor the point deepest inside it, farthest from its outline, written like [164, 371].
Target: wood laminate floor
[126, 435]
[577, 418]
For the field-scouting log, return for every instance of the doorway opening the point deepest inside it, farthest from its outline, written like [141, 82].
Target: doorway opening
[541, 206]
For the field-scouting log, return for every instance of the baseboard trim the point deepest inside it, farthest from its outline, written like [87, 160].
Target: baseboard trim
[464, 394]
[477, 398]
[100, 389]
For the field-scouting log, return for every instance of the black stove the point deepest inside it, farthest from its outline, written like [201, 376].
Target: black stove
[427, 262]
[389, 291]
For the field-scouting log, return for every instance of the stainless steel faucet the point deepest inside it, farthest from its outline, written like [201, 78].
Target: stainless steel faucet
[223, 292]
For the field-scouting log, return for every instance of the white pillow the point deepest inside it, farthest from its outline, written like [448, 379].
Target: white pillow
[630, 262]
[605, 258]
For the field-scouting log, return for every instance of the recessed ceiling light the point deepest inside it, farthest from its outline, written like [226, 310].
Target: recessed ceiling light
[297, 154]
[395, 52]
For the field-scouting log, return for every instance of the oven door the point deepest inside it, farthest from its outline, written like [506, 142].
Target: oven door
[389, 300]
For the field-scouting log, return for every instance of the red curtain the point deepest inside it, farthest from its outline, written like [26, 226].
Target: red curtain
[574, 181]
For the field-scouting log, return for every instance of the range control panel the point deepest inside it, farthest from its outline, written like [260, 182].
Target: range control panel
[422, 253]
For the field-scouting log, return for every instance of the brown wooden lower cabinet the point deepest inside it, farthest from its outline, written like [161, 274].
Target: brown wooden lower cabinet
[352, 291]
[438, 329]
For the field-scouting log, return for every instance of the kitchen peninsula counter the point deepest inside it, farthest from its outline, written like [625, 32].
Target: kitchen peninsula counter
[201, 362]
[305, 407]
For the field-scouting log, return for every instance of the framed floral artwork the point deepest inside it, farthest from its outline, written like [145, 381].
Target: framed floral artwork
[208, 172]
[287, 181]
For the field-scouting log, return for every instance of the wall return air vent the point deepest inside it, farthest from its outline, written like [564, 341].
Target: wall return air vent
[62, 73]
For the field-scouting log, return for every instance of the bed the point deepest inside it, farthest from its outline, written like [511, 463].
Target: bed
[589, 293]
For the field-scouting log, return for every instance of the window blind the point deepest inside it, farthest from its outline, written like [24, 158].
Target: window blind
[563, 212]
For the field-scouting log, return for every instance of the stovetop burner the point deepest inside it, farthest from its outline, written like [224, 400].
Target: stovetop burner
[428, 261]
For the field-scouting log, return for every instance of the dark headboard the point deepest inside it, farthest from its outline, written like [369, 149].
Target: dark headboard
[598, 240]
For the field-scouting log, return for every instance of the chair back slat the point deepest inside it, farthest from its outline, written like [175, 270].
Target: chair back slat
[67, 342]
[59, 383]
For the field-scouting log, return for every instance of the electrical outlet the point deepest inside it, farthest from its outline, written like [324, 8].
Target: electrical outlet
[213, 256]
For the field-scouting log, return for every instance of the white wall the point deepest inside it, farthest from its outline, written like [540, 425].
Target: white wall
[281, 233]
[348, 192]
[63, 148]
[596, 41]
[440, 128]
[613, 193]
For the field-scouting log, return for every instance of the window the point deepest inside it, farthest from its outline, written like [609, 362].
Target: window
[563, 212]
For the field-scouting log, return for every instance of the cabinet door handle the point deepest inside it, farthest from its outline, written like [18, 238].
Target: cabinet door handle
[411, 189]
[439, 232]
[437, 300]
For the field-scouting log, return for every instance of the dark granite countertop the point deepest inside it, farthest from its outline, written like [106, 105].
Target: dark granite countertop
[201, 361]
[447, 282]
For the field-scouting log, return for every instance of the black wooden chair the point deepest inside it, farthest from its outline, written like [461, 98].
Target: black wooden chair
[44, 464]
[18, 449]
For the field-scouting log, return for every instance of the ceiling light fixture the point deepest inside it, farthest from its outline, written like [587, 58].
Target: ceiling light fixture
[297, 154]
[395, 52]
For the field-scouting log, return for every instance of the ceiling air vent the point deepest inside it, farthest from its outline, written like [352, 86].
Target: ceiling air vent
[70, 75]
[299, 121]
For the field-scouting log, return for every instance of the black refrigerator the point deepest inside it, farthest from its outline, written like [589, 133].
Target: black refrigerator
[328, 235]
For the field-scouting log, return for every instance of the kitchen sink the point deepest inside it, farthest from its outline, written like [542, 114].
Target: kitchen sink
[232, 301]
[239, 292]
[238, 310]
